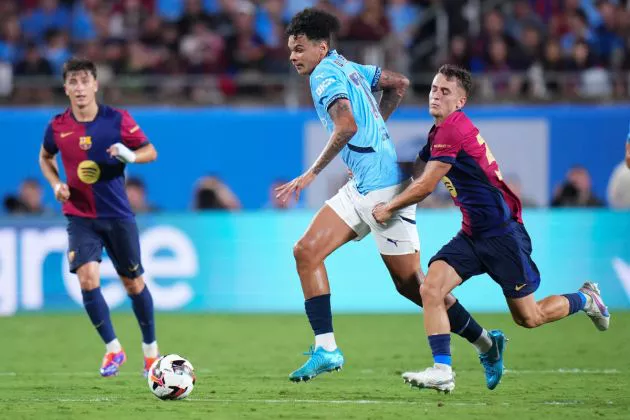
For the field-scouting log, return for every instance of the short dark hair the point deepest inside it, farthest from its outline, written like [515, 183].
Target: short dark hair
[78, 64]
[315, 24]
[463, 76]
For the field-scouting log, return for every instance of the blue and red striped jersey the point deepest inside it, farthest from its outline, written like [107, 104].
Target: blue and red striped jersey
[474, 181]
[96, 181]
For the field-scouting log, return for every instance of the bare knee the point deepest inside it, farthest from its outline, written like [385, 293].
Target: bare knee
[529, 320]
[133, 286]
[304, 252]
[431, 293]
[88, 275]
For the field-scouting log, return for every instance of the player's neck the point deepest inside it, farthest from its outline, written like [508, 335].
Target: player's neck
[439, 120]
[85, 114]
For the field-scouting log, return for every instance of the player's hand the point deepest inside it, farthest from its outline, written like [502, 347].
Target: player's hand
[381, 213]
[296, 186]
[62, 192]
[121, 152]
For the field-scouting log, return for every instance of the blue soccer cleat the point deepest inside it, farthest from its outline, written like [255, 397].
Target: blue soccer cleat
[320, 361]
[492, 360]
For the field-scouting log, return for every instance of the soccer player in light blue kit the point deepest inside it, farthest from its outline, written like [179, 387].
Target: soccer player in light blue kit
[343, 96]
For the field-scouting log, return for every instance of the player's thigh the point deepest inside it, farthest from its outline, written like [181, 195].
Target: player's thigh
[460, 255]
[404, 267]
[399, 235]
[327, 232]
[507, 259]
[85, 245]
[122, 242]
[523, 308]
[441, 279]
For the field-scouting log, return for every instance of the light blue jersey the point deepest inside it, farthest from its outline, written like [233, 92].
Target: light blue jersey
[370, 154]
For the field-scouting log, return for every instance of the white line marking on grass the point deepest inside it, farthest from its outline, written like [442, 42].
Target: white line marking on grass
[77, 400]
[358, 402]
[560, 371]
[442, 403]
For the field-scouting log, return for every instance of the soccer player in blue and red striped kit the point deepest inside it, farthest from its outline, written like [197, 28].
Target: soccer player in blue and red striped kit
[493, 238]
[96, 142]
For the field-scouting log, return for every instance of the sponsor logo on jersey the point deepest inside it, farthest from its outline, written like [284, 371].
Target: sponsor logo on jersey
[88, 171]
[324, 85]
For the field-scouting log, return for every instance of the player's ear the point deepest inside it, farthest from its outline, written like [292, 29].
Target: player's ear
[95, 86]
[323, 48]
[461, 102]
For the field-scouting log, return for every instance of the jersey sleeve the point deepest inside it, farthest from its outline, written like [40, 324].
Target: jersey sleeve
[628, 138]
[49, 141]
[132, 135]
[425, 154]
[446, 144]
[371, 73]
[328, 85]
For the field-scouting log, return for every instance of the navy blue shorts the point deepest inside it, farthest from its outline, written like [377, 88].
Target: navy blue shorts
[87, 237]
[505, 258]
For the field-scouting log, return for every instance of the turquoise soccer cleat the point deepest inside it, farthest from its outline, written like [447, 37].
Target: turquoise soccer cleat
[492, 360]
[320, 361]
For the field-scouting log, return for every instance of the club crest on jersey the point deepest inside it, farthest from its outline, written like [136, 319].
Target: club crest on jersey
[85, 142]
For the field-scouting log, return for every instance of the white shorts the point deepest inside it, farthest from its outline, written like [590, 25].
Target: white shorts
[398, 236]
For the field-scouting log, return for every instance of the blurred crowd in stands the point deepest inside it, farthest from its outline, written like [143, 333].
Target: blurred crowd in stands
[211, 193]
[211, 51]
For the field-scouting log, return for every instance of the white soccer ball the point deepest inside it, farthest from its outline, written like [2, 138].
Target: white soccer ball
[171, 377]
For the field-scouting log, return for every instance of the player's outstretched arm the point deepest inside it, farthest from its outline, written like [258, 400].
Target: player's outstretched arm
[394, 86]
[417, 191]
[48, 165]
[345, 128]
[628, 155]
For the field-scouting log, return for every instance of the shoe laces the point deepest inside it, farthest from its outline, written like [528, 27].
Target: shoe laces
[310, 352]
[109, 358]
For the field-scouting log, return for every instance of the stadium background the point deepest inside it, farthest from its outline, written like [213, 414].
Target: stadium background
[210, 84]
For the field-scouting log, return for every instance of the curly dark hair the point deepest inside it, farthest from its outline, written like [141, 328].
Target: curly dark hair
[315, 24]
[463, 76]
[78, 64]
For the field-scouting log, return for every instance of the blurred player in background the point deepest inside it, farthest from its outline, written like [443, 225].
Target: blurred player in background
[95, 142]
[343, 95]
[493, 239]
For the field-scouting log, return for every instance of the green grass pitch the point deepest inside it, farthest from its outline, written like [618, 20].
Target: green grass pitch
[567, 370]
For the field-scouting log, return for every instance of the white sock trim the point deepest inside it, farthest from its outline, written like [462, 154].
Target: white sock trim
[484, 343]
[327, 341]
[113, 346]
[150, 350]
